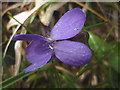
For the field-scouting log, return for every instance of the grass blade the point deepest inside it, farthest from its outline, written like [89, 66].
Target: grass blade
[94, 25]
[12, 80]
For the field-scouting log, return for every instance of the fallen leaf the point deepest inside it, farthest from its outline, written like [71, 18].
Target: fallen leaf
[47, 16]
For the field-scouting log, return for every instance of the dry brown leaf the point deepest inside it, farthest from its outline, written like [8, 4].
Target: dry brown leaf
[18, 52]
[13, 7]
[18, 48]
[94, 80]
[47, 16]
[25, 2]
[21, 17]
[37, 3]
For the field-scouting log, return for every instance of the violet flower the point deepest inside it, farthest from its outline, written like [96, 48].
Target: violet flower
[39, 52]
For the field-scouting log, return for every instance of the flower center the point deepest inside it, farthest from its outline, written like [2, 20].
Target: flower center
[51, 47]
[51, 43]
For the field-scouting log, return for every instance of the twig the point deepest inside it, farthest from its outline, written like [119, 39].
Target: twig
[63, 69]
[91, 10]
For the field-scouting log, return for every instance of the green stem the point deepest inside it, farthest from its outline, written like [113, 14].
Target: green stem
[58, 84]
[10, 81]
[110, 31]
[91, 26]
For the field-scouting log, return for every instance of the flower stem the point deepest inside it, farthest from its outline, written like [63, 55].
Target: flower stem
[57, 80]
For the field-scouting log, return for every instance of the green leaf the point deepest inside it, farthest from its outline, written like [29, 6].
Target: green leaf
[114, 58]
[99, 46]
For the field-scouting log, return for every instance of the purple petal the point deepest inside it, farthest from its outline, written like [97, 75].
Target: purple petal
[28, 37]
[52, 58]
[38, 53]
[72, 53]
[69, 24]
[35, 66]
